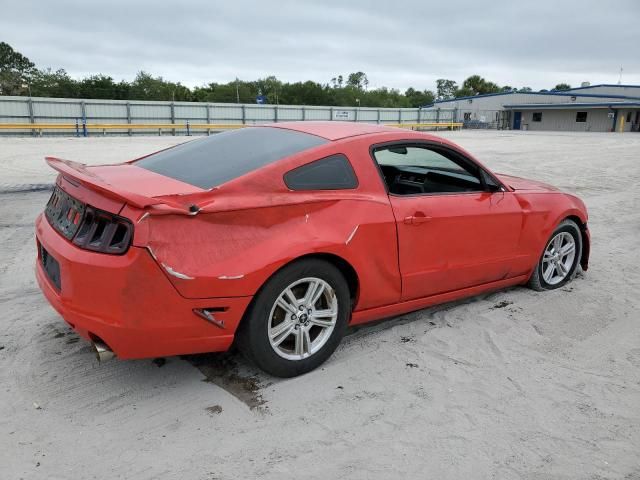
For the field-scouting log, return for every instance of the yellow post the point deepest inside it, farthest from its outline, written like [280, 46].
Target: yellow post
[621, 124]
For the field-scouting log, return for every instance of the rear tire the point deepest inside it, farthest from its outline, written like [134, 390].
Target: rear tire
[297, 319]
[559, 261]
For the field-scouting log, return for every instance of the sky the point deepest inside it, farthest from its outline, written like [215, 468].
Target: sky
[398, 44]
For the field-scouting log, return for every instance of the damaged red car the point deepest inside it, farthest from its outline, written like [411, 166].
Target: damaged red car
[278, 237]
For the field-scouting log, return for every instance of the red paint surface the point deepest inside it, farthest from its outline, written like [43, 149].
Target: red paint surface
[248, 228]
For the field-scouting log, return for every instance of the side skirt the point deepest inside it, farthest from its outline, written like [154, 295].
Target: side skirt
[378, 313]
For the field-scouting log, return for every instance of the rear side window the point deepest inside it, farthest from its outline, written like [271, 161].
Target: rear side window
[212, 161]
[330, 173]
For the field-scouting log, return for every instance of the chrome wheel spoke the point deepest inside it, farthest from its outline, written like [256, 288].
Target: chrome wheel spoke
[567, 249]
[303, 342]
[306, 337]
[314, 290]
[557, 243]
[280, 332]
[321, 322]
[562, 270]
[548, 272]
[330, 312]
[286, 306]
[291, 298]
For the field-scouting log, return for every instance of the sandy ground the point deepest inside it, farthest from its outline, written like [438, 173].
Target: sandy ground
[511, 385]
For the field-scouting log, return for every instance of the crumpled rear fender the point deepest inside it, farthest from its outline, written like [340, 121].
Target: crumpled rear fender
[232, 253]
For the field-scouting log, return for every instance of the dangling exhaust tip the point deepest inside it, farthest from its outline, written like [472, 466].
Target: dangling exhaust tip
[102, 351]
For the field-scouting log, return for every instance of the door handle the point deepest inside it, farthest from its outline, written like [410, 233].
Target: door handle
[416, 219]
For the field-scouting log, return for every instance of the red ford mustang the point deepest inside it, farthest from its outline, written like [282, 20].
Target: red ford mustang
[280, 236]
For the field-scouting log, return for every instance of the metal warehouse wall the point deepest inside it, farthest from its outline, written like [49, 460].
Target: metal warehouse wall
[565, 120]
[63, 110]
[496, 102]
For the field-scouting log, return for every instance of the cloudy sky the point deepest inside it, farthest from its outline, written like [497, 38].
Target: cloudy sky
[396, 43]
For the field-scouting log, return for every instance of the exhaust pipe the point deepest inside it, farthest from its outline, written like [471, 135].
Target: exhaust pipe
[102, 351]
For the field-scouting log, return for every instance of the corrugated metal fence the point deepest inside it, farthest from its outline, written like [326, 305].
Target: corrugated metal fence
[63, 110]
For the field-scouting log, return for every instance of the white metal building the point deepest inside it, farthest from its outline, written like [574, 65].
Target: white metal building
[597, 108]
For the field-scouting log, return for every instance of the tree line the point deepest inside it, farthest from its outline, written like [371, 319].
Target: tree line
[20, 76]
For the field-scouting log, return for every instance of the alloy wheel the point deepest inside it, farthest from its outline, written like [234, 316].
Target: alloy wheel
[302, 318]
[558, 258]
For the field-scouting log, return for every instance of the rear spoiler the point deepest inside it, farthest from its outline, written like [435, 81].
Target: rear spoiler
[168, 204]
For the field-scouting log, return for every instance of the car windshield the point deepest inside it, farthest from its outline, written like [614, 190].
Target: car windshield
[212, 161]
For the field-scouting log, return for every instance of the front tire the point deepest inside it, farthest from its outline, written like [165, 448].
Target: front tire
[560, 258]
[297, 319]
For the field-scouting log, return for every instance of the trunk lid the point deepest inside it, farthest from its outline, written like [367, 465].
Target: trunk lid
[117, 185]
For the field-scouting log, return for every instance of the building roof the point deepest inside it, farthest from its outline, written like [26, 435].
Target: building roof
[557, 93]
[603, 85]
[572, 105]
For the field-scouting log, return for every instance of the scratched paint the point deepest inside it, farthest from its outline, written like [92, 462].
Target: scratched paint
[176, 274]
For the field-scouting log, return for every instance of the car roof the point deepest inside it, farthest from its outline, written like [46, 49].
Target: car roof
[333, 130]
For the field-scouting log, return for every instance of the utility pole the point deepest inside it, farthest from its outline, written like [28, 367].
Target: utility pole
[620, 77]
[237, 92]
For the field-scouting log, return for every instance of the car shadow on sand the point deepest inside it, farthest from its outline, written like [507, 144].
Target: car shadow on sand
[233, 373]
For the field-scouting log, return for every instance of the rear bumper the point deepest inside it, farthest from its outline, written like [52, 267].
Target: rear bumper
[128, 303]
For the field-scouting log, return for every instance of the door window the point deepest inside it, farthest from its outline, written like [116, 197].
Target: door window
[410, 170]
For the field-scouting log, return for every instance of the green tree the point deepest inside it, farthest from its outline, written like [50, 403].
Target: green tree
[16, 71]
[358, 80]
[305, 93]
[337, 82]
[464, 92]
[478, 86]
[271, 87]
[561, 86]
[147, 87]
[97, 86]
[445, 89]
[417, 98]
[58, 84]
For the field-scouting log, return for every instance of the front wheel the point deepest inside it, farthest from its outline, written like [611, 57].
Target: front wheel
[297, 319]
[560, 258]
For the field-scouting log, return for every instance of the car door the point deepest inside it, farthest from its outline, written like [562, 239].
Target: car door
[457, 227]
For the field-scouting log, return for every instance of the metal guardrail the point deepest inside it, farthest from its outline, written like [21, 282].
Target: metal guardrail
[83, 128]
[436, 125]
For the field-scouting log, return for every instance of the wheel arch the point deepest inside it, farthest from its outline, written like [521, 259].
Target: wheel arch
[348, 272]
[344, 267]
[586, 241]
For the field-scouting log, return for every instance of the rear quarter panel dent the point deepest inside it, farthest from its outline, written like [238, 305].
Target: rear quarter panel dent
[233, 253]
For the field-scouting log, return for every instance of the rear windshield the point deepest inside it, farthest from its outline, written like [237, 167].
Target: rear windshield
[212, 161]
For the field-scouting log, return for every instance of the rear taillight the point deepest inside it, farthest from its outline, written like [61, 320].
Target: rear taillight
[103, 232]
